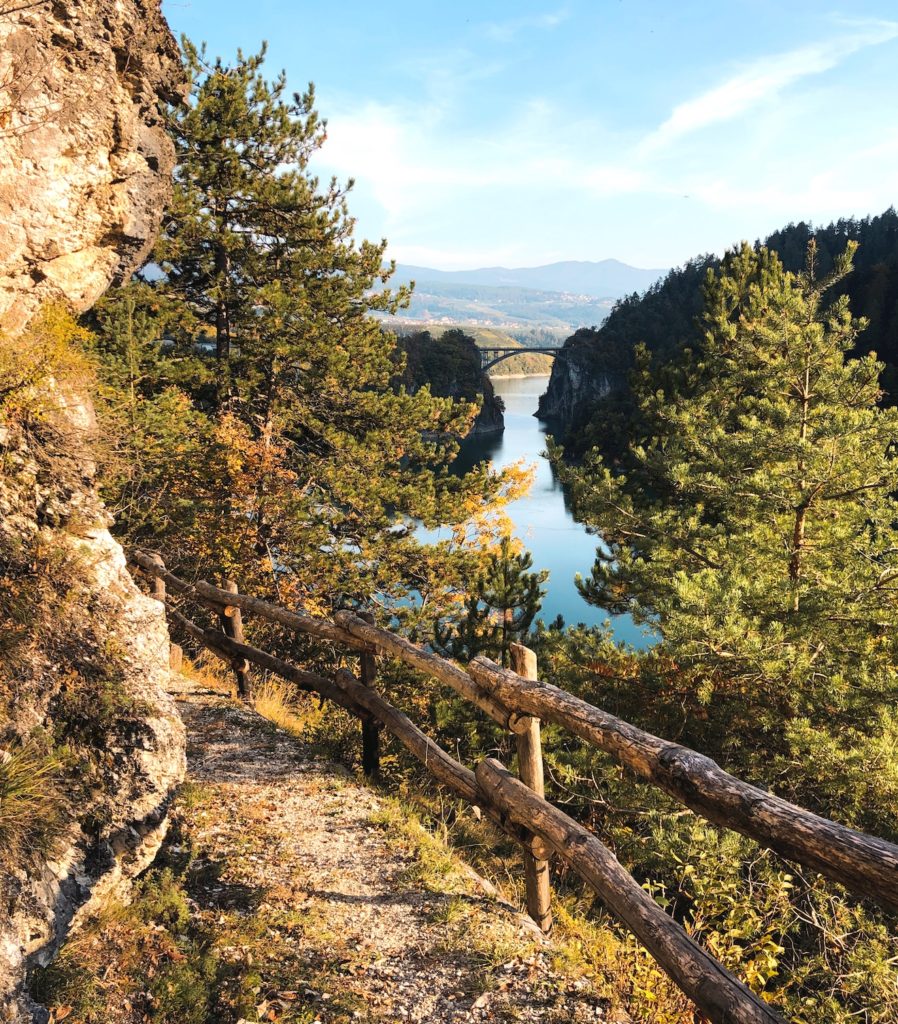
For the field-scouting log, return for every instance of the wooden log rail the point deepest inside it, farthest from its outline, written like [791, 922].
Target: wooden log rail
[865, 864]
[223, 647]
[517, 701]
[522, 814]
[717, 993]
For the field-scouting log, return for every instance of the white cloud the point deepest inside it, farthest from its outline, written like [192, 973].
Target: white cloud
[425, 171]
[764, 79]
[407, 162]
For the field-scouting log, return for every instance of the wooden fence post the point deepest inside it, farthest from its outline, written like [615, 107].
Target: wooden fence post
[175, 654]
[530, 770]
[158, 583]
[370, 728]
[175, 657]
[231, 620]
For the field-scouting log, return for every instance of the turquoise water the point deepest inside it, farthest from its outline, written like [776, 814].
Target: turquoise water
[542, 518]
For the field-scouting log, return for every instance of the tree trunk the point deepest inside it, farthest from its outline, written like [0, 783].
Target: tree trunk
[795, 566]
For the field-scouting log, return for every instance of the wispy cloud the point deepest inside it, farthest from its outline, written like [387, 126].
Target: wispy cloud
[505, 31]
[765, 79]
[432, 175]
[445, 76]
[404, 159]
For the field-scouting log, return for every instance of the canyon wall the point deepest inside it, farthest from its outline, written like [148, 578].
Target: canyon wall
[581, 374]
[85, 171]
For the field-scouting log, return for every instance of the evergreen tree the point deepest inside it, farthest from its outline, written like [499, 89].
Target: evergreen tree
[501, 608]
[315, 466]
[753, 521]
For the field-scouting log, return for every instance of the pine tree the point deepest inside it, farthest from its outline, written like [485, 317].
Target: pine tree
[752, 523]
[501, 608]
[318, 467]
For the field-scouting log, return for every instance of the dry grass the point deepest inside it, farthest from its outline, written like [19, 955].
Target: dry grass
[586, 943]
[31, 805]
[274, 699]
[208, 673]
[282, 705]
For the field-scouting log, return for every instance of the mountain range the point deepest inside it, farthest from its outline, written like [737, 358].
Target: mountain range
[604, 279]
[564, 295]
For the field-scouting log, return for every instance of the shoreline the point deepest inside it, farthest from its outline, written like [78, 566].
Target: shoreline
[517, 376]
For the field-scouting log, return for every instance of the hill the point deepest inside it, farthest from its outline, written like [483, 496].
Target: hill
[563, 296]
[587, 394]
[527, 364]
[602, 279]
[450, 366]
[488, 306]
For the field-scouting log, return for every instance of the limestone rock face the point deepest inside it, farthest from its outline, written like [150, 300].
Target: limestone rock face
[85, 171]
[580, 375]
[84, 159]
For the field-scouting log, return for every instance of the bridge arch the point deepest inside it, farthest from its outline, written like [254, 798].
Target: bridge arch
[489, 357]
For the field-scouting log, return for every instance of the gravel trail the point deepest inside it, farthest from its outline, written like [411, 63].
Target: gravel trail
[300, 837]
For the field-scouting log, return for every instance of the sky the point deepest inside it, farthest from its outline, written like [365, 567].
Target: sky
[649, 131]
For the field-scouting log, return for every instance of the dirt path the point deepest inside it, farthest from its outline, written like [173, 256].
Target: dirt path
[312, 855]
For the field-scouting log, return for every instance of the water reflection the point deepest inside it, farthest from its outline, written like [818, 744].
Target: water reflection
[542, 519]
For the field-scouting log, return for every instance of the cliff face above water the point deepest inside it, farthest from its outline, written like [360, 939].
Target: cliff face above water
[85, 168]
[590, 379]
[580, 375]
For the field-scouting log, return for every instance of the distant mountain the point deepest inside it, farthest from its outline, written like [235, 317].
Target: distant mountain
[560, 296]
[434, 302]
[605, 279]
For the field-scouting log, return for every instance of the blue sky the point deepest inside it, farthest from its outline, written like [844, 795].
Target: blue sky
[523, 133]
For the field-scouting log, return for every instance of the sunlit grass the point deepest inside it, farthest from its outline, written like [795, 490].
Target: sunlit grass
[282, 705]
[31, 806]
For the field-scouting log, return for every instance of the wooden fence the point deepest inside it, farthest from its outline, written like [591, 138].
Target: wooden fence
[517, 700]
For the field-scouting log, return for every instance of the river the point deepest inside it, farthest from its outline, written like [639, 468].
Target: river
[542, 519]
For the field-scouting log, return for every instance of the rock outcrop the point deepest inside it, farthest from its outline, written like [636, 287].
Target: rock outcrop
[490, 419]
[449, 364]
[580, 376]
[85, 171]
[84, 159]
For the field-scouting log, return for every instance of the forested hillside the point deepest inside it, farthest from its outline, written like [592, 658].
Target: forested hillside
[665, 319]
[449, 364]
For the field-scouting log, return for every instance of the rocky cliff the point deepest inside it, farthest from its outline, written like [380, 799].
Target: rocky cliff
[580, 376]
[90, 745]
[84, 159]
